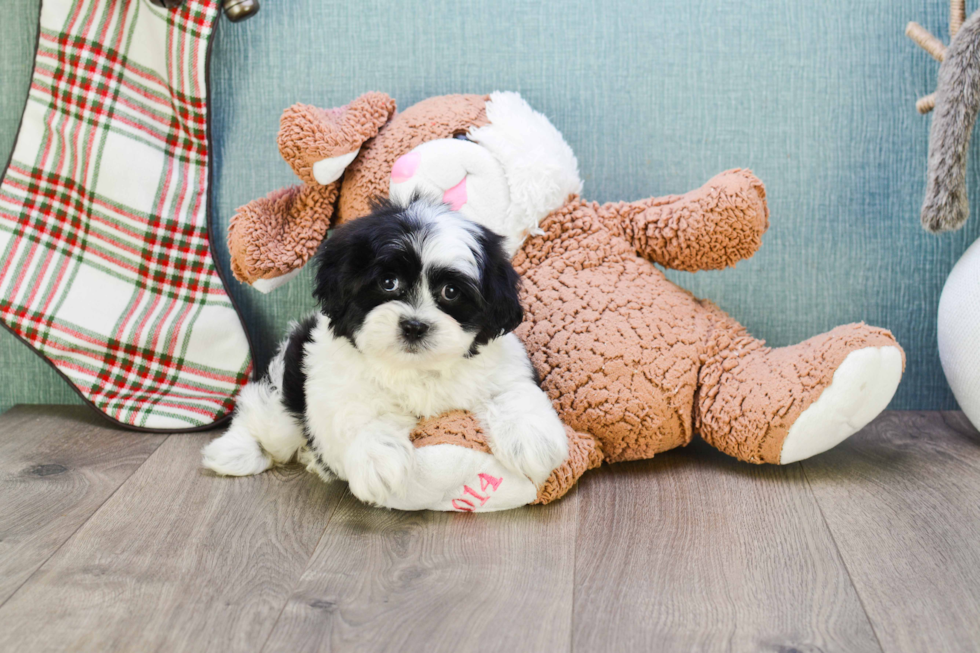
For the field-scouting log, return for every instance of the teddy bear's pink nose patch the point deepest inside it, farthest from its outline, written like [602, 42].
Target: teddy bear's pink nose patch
[405, 167]
[455, 197]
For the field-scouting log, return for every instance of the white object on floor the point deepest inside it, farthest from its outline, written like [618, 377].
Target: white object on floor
[236, 453]
[959, 332]
[861, 388]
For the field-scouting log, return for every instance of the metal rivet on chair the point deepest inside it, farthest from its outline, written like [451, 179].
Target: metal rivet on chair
[237, 10]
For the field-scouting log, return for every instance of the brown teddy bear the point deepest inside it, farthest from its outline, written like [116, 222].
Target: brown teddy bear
[634, 364]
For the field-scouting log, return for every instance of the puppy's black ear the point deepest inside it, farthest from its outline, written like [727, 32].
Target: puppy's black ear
[339, 265]
[329, 264]
[501, 291]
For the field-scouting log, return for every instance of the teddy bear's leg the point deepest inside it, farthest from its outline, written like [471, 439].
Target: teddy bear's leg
[450, 477]
[456, 471]
[583, 454]
[765, 405]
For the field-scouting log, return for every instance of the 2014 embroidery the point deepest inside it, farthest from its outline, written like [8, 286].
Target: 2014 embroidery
[488, 485]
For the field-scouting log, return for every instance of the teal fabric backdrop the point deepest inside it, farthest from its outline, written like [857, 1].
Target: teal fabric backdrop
[655, 97]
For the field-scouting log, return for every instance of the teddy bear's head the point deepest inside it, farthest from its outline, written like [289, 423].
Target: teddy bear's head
[492, 158]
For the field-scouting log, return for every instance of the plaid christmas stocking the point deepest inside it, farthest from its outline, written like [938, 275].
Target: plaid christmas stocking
[105, 262]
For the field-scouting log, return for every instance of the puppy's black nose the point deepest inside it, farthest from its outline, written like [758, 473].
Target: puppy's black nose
[413, 330]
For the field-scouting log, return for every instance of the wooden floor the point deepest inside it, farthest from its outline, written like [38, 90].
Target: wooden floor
[111, 540]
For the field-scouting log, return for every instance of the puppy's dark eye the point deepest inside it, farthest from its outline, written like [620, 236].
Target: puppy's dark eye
[390, 284]
[461, 136]
[450, 292]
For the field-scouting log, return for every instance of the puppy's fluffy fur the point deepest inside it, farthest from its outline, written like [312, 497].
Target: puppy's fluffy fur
[417, 305]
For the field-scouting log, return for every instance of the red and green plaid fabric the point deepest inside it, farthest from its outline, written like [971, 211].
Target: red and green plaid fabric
[105, 261]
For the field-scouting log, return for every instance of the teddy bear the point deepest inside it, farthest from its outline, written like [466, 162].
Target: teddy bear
[634, 364]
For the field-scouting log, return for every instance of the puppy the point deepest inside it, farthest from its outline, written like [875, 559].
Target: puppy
[417, 305]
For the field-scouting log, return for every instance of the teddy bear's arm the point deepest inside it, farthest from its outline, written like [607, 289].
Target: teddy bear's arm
[271, 237]
[710, 228]
[319, 143]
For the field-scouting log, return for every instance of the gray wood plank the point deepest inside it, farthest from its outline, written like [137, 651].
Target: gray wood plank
[58, 465]
[696, 551]
[388, 581]
[177, 559]
[902, 499]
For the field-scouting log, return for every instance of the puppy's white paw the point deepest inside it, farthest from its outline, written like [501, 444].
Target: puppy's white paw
[532, 444]
[526, 434]
[533, 452]
[379, 467]
[236, 453]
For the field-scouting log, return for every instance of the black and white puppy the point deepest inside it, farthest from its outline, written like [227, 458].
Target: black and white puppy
[417, 307]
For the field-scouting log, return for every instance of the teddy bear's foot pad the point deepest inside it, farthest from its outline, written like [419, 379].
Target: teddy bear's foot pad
[861, 388]
[453, 478]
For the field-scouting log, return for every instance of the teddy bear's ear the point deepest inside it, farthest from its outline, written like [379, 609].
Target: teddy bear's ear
[320, 143]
